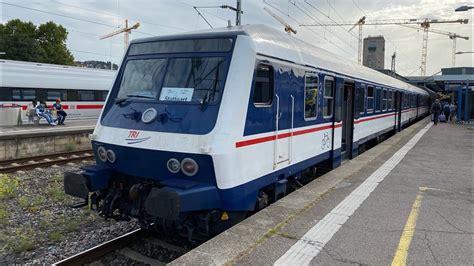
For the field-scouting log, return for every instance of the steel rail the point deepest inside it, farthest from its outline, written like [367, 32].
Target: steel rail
[13, 165]
[94, 253]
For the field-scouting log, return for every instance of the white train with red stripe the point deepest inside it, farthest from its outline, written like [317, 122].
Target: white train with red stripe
[82, 90]
[200, 128]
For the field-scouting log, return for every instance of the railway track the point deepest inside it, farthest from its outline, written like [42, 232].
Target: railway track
[13, 165]
[135, 247]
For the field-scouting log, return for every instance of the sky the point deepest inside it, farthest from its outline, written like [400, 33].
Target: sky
[88, 20]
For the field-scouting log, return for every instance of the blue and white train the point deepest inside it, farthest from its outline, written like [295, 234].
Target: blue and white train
[199, 128]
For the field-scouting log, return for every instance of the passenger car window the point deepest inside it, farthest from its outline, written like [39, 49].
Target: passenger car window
[311, 96]
[55, 94]
[378, 99]
[263, 86]
[85, 95]
[360, 100]
[370, 99]
[328, 98]
[384, 100]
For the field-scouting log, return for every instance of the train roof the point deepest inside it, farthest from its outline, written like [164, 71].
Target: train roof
[278, 44]
[20, 74]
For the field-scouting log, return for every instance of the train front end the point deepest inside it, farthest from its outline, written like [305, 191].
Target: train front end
[151, 143]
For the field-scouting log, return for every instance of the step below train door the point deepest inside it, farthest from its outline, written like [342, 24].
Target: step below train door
[347, 119]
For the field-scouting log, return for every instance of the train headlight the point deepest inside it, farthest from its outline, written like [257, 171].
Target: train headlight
[111, 156]
[102, 154]
[173, 165]
[189, 167]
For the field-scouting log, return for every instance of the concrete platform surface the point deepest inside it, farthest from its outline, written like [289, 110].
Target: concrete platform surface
[29, 130]
[406, 201]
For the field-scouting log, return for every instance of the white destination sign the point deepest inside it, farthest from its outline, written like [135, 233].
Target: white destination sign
[176, 94]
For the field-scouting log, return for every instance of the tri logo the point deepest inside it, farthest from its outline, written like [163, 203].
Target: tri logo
[133, 137]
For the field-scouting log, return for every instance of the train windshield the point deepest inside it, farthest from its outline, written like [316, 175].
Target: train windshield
[193, 79]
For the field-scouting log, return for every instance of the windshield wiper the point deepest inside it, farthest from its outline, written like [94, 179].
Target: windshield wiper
[121, 100]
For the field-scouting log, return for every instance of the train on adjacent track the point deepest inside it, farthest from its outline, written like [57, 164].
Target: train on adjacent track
[202, 128]
[82, 90]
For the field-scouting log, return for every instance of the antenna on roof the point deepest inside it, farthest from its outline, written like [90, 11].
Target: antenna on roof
[288, 27]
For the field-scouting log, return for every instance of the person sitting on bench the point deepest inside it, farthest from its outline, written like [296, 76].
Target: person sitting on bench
[41, 111]
[60, 111]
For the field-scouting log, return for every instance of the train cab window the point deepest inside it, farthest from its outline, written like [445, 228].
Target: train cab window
[85, 95]
[328, 98]
[370, 99]
[384, 100]
[263, 86]
[52, 95]
[310, 96]
[378, 100]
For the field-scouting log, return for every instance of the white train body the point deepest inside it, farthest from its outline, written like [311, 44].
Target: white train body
[281, 107]
[82, 90]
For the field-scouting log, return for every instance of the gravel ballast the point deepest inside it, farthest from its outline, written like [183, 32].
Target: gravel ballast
[37, 224]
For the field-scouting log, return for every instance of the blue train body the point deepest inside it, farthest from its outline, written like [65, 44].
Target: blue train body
[200, 127]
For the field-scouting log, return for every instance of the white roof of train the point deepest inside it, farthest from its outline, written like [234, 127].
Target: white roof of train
[19, 74]
[278, 44]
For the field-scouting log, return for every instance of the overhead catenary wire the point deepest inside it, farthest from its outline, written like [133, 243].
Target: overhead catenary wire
[389, 40]
[318, 21]
[202, 16]
[324, 14]
[118, 17]
[70, 17]
[309, 29]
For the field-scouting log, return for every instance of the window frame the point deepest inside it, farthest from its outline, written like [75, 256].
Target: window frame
[384, 97]
[331, 97]
[373, 99]
[316, 75]
[271, 86]
[378, 108]
[391, 94]
[362, 88]
[87, 91]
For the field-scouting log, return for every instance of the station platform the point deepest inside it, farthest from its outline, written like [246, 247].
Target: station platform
[29, 130]
[406, 201]
[33, 140]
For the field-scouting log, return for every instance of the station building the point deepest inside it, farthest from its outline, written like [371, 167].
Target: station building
[455, 84]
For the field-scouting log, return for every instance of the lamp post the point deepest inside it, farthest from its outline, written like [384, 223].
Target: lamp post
[464, 52]
[463, 8]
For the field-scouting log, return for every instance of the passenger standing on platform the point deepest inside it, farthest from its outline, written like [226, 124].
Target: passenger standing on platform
[446, 111]
[31, 111]
[452, 111]
[60, 111]
[435, 110]
[42, 112]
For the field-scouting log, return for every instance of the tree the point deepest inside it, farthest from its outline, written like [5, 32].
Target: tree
[26, 42]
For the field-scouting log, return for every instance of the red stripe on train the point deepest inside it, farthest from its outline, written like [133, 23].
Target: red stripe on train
[89, 106]
[282, 136]
[300, 132]
[79, 106]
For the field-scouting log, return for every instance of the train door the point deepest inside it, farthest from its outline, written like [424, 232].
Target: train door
[398, 108]
[347, 120]
[284, 117]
